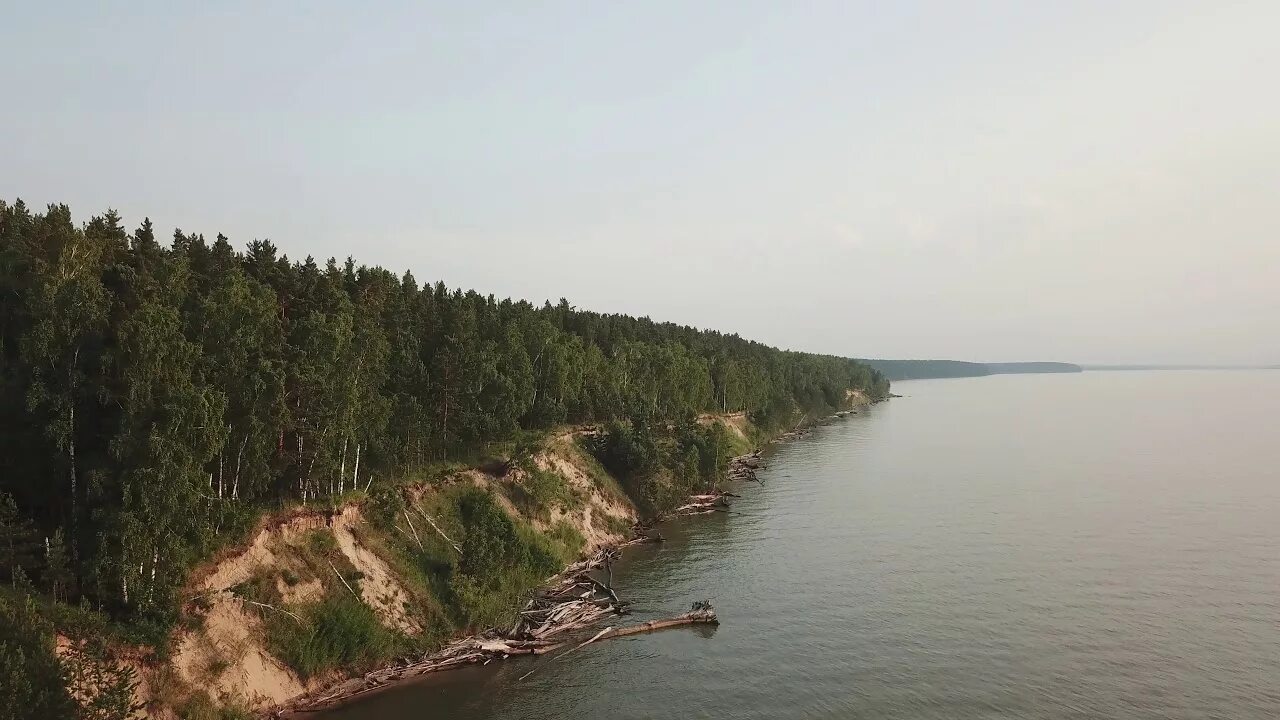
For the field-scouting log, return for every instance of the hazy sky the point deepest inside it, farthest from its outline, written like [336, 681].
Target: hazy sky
[1087, 181]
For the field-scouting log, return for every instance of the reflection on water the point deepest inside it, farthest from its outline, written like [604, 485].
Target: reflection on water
[1053, 546]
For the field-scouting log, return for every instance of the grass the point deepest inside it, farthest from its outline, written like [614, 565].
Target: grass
[431, 572]
[606, 483]
[564, 541]
[493, 599]
[337, 632]
[260, 587]
[413, 567]
[200, 707]
[616, 525]
[539, 491]
[738, 445]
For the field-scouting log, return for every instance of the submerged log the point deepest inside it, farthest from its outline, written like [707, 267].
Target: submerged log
[568, 602]
[701, 614]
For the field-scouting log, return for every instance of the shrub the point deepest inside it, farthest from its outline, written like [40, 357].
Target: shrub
[626, 449]
[491, 541]
[540, 491]
[340, 631]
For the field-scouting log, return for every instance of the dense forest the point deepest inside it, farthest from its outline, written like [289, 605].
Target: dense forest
[156, 394]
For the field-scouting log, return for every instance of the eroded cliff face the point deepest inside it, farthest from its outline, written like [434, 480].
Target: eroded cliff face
[224, 654]
[302, 559]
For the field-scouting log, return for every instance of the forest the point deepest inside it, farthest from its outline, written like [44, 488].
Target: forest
[159, 395]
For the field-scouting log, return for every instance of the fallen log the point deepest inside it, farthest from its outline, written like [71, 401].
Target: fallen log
[570, 601]
[701, 614]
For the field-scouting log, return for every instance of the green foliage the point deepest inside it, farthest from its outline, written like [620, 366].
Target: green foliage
[84, 683]
[57, 575]
[490, 541]
[104, 689]
[32, 680]
[626, 449]
[18, 545]
[339, 631]
[616, 525]
[158, 398]
[501, 558]
[538, 491]
[660, 469]
[201, 707]
[582, 451]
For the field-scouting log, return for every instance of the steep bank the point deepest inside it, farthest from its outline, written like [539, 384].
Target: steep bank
[311, 567]
[160, 398]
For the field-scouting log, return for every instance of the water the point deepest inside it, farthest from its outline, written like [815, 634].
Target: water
[1104, 545]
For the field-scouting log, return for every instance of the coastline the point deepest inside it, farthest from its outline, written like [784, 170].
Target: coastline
[491, 646]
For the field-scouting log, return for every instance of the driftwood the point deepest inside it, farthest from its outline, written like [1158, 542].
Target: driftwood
[570, 601]
[270, 607]
[437, 529]
[344, 581]
[744, 467]
[413, 529]
[702, 613]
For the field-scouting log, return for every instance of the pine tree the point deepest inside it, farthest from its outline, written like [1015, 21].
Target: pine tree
[32, 679]
[18, 544]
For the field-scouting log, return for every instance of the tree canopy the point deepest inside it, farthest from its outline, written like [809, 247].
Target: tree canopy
[154, 393]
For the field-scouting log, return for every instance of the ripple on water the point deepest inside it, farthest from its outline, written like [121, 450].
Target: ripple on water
[1030, 547]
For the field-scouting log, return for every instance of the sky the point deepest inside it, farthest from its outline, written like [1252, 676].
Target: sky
[994, 181]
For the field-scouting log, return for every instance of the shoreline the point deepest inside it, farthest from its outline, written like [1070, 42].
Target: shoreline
[490, 646]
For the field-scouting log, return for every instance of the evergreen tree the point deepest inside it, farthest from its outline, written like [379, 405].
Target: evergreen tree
[33, 683]
[155, 394]
[18, 544]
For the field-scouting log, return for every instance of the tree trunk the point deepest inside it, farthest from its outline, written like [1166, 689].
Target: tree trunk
[235, 484]
[71, 456]
[342, 468]
[355, 472]
[71, 447]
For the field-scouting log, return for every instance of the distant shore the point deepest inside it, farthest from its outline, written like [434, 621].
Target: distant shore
[928, 369]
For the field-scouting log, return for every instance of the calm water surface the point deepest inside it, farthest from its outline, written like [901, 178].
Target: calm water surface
[1104, 545]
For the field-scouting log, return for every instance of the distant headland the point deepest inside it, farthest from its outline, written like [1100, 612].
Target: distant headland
[922, 369]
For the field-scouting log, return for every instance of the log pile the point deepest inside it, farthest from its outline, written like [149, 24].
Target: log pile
[571, 600]
[702, 613]
[468, 651]
[744, 467]
[703, 504]
[794, 434]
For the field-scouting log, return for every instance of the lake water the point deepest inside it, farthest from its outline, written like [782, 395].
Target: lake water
[1102, 545]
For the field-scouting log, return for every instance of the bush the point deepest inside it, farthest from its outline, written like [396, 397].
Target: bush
[626, 449]
[340, 631]
[540, 491]
[490, 541]
[501, 559]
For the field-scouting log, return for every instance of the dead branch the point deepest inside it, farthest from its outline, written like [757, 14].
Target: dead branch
[271, 607]
[412, 529]
[344, 581]
[437, 528]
